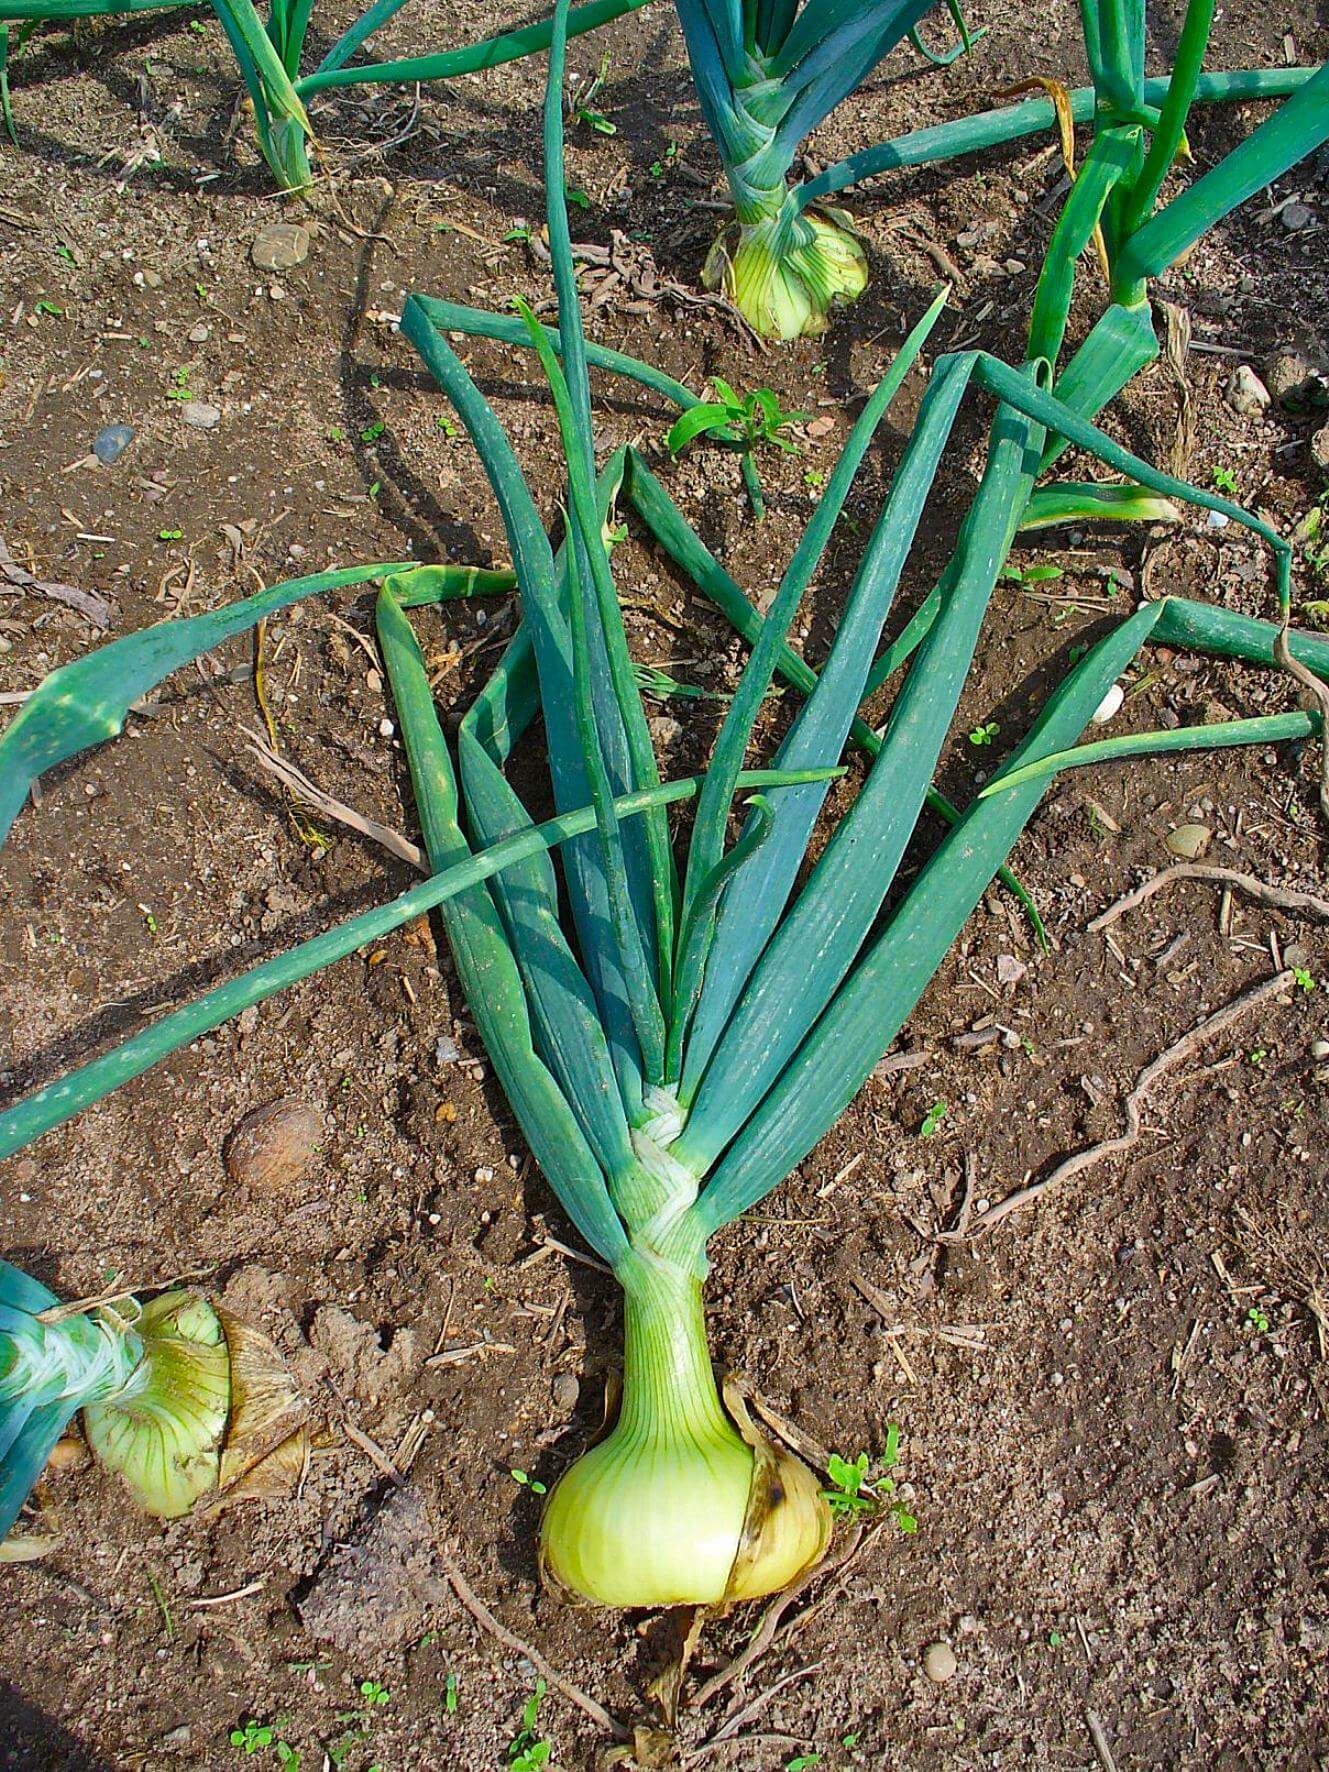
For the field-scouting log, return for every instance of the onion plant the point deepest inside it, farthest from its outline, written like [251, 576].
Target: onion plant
[270, 52]
[677, 1043]
[178, 1398]
[767, 73]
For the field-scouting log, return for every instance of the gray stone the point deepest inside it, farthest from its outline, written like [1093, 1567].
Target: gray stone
[1010, 970]
[201, 415]
[565, 1390]
[111, 442]
[280, 246]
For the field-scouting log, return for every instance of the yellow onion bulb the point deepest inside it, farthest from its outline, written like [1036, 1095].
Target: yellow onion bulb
[678, 1505]
[162, 1433]
[784, 276]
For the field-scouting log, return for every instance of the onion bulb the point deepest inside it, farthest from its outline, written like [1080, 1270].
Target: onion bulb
[679, 1504]
[786, 272]
[178, 1397]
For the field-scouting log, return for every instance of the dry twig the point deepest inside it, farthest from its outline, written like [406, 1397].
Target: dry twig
[1112, 1147]
[1279, 898]
[591, 1707]
[301, 788]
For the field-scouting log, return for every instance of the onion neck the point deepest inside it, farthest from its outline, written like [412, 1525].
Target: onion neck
[669, 1390]
[83, 1359]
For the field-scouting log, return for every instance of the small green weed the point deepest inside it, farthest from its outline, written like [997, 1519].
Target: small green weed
[580, 106]
[528, 1751]
[527, 1481]
[757, 418]
[1032, 575]
[856, 1492]
[985, 733]
[253, 1737]
[932, 1119]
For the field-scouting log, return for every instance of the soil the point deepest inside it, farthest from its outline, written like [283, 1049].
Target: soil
[1113, 1408]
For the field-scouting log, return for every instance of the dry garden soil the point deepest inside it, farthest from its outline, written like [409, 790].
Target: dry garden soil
[1112, 1407]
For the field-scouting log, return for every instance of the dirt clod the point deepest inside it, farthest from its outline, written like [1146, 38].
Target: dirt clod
[373, 1594]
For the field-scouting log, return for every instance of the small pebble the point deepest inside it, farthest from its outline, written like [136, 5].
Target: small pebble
[201, 415]
[272, 1147]
[939, 1663]
[112, 442]
[565, 1390]
[386, 728]
[200, 334]
[1320, 1049]
[1216, 520]
[1296, 216]
[1010, 969]
[1110, 705]
[1246, 393]
[1189, 841]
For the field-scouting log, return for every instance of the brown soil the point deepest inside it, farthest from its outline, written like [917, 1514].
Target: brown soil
[1113, 1408]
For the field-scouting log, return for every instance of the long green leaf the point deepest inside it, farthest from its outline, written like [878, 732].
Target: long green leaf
[618, 705]
[533, 561]
[878, 997]
[757, 898]
[1054, 415]
[990, 129]
[484, 961]
[817, 942]
[569, 1035]
[712, 812]
[1171, 129]
[86, 702]
[686, 548]
[1209, 735]
[57, 1102]
[1296, 129]
[470, 59]
[1094, 501]
[1108, 161]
